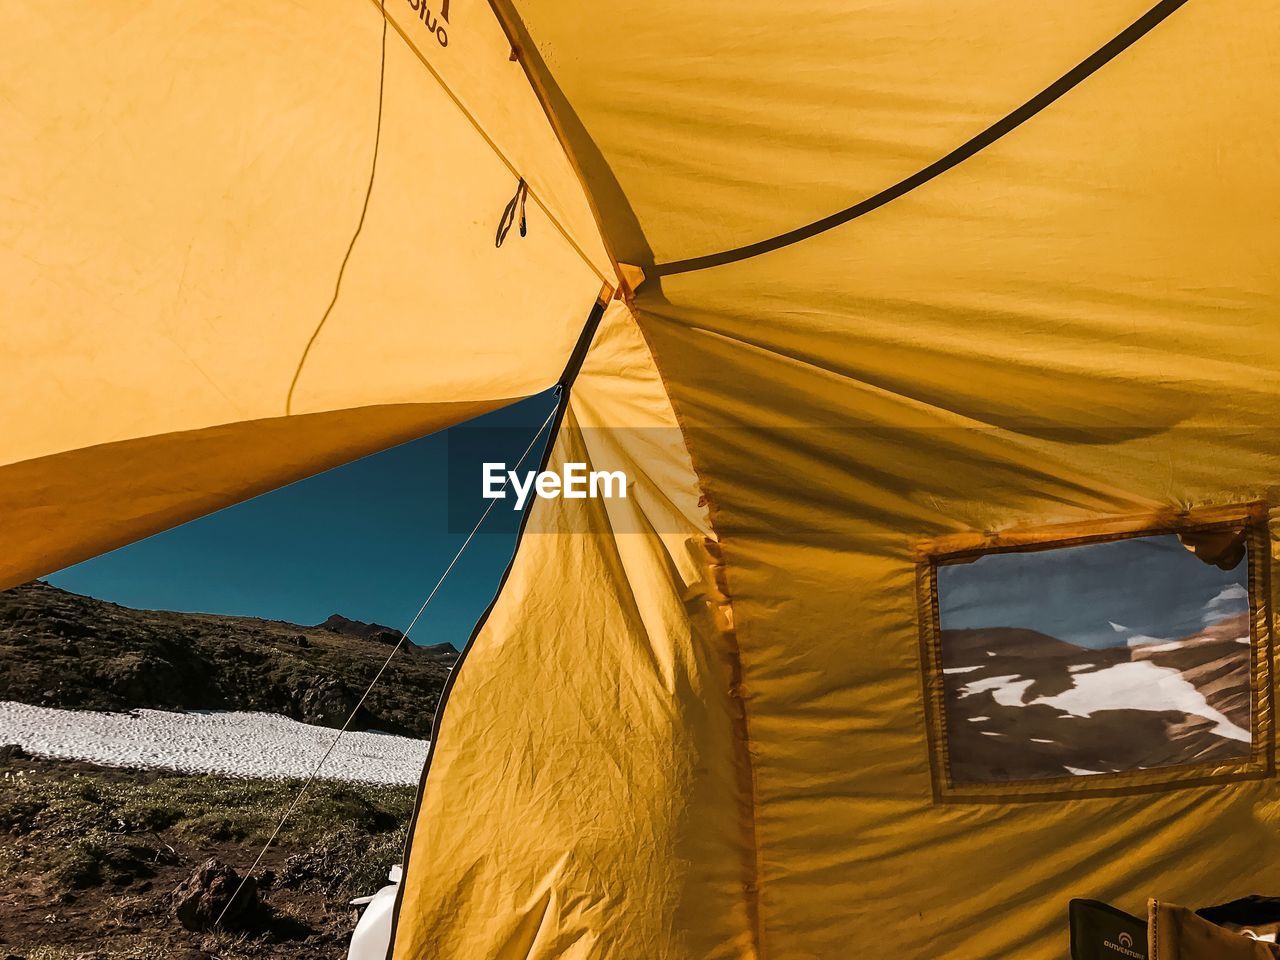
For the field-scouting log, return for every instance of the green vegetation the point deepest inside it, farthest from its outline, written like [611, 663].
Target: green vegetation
[90, 857]
[87, 829]
[101, 850]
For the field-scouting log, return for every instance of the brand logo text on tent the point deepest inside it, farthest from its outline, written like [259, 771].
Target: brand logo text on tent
[1125, 947]
[435, 24]
[574, 482]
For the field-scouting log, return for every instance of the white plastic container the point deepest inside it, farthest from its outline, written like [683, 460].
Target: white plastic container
[372, 935]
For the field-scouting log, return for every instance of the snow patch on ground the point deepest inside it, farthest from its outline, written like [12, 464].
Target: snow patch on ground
[1006, 690]
[1141, 685]
[257, 745]
[1131, 685]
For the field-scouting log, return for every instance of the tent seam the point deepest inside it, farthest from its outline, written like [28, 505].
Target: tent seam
[509, 21]
[754, 900]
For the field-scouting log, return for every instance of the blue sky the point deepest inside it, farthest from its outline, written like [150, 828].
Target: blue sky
[1097, 595]
[367, 540]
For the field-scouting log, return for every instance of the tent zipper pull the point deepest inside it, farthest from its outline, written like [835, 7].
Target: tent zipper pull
[509, 214]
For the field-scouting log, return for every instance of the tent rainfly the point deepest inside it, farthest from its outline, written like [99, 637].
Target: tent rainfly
[922, 331]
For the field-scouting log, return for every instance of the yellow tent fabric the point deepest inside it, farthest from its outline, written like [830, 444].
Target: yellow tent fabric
[693, 724]
[1075, 323]
[619, 829]
[182, 183]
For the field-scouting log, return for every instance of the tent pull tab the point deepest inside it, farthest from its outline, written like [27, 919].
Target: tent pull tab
[514, 205]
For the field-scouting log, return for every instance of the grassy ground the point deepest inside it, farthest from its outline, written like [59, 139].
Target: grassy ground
[89, 858]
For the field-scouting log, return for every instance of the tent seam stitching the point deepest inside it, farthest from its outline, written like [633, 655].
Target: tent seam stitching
[734, 649]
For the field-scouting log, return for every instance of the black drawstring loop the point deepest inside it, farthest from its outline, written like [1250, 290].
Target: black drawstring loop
[508, 220]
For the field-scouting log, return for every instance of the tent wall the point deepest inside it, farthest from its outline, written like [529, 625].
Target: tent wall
[588, 790]
[693, 725]
[1076, 323]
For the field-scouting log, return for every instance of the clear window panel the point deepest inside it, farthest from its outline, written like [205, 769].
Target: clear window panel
[1105, 657]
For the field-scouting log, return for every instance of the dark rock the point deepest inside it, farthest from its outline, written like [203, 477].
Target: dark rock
[11, 751]
[326, 702]
[202, 897]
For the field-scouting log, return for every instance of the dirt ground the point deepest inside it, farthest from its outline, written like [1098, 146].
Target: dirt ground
[90, 858]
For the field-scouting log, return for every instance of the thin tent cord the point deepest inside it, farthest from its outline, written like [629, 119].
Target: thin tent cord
[386, 663]
[364, 211]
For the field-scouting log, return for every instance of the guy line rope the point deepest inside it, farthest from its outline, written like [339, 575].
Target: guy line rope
[356, 709]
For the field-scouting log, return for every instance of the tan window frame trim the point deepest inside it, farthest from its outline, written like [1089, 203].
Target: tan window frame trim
[959, 548]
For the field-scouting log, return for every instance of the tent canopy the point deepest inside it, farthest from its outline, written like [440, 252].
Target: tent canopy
[920, 280]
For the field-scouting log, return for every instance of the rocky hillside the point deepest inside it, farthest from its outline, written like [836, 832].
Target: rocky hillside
[61, 649]
[1024, 705]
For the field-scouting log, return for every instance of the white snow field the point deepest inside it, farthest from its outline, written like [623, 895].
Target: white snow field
[1140, 685]
[257, 745]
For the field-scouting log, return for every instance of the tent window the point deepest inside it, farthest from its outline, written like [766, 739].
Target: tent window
[1095, 662]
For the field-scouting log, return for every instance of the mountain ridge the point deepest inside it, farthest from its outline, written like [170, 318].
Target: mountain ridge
[63, 649]
[1021, 704]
